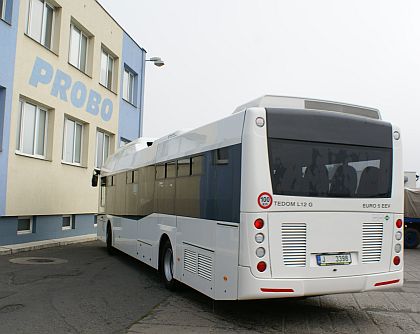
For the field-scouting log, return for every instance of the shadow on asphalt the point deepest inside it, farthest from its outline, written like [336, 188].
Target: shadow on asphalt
[241, 311]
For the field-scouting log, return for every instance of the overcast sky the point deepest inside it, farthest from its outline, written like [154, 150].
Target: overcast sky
[222, 53]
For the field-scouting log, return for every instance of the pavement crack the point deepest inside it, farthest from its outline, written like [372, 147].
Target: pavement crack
[64, 318]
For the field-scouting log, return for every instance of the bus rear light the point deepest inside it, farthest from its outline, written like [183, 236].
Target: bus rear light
[261, 266]
[259, 223]
[387, 282]
[397, 248]
[276, 290]
[398, 235]
[260, 252]
[396, 260]
[259, 238]
[399, 223]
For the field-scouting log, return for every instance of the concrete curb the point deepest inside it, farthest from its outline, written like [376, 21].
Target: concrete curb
[26, 247]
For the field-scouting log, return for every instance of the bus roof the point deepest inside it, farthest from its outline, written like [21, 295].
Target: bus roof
[275, 101]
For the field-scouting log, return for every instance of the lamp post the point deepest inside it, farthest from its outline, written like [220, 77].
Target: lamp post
[157, 61]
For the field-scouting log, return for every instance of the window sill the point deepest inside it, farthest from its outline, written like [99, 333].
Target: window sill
[31, 156]
[75, 67]
[24, 232]
[67, 228]
[34, 40]
[72, 164]
[5, 21]
[131, 104]
[114, 92]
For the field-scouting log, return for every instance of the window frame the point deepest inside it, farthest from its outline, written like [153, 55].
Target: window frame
[36, 130]
[73, 162]
[67, 228]
[129, 84]
[31, 224]
[3, 10]
[81, 35]
[46, 4]
[104, 134]
[109, 56]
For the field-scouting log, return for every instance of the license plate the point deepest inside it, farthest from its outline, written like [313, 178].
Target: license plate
[333, 259]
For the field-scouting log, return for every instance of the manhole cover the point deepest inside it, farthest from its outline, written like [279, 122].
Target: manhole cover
[37, 260]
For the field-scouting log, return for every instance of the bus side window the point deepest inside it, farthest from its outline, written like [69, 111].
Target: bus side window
[110, 181]
[222, 156]
[197, 165]
[160, 172]
[171, 169]
[130, 177]
[184, 167]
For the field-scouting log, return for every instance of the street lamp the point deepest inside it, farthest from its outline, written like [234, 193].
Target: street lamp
[157, 61]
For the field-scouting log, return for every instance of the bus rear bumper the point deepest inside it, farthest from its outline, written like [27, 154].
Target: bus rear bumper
[250, 287]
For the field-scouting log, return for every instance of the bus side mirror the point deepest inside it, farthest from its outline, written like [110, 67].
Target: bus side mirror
[95, 177]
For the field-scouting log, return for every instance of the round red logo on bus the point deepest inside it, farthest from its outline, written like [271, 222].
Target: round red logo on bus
[265, 200]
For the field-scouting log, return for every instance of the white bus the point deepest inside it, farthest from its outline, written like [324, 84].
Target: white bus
[286, 197]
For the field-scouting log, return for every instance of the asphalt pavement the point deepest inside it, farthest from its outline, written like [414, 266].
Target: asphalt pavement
[81, 289]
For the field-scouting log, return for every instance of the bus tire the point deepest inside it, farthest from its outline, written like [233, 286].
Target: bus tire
[109, 247]
[411, 238]
[167, 266]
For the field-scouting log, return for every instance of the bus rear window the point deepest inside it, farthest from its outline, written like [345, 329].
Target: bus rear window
[314, 169]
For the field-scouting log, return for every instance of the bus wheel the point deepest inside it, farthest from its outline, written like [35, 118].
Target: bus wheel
[411, 238]
[167, 263]
[109, 247]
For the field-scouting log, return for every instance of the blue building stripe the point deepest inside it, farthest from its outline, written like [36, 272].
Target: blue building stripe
[130, 115]
[8, 38]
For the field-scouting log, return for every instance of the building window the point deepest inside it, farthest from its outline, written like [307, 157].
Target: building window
[129, 86]
[67, 223]
[102, 148]
[72, 143]
[6, 10]
[3, 4]
[107, 69]
[32, 131]
[40, 22]
[24, 225]
[79, 44]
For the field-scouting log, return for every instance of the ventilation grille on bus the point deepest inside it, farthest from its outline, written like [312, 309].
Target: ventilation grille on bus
[372, 242]
[294, 244]
[199, 264]
[205, 266]
[190, 261]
